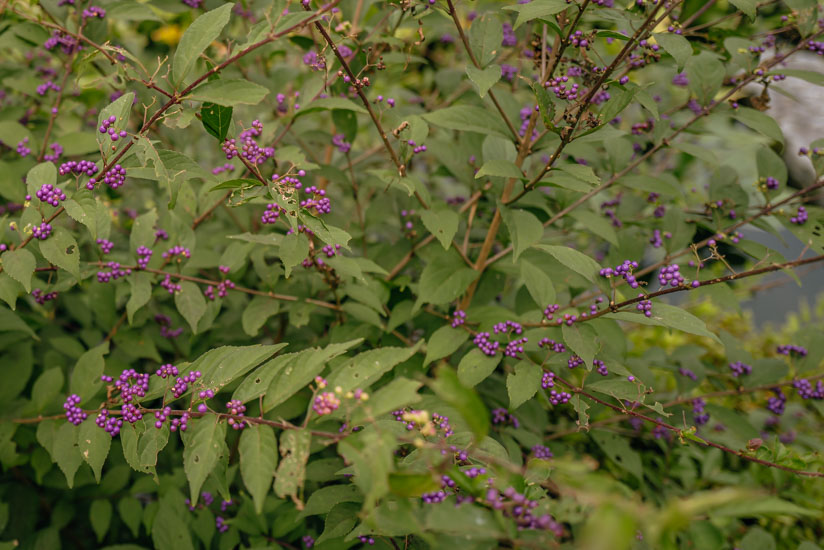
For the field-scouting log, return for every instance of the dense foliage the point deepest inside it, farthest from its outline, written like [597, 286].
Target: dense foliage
[405, 274]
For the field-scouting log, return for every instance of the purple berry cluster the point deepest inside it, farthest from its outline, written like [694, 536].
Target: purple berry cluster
[516, 506]
[182, 383]
[800, 216]
[699, 415]
[317, 200]
[144, 254]
[107, 127]
[791, 349]
[222, 289]
[41, 231]
[339, 141]
[166, 330]
[574, 361]
[509, 39]
[487, 346]
[50, 194]
[66, 42]
[557, 85]
[314, 61]
[623, 270]
[771, 183]
[115, 272]
[271, 214]
[42, 297]
[504, 417]
[177, 253]
[416, 149]
[740, 369]
[777, 403]
[601, 368]
[111, 424]
[249, 148]
[227, 167]
[22, 148]
[557, 347]
[105, 245]
[670, 276]
[683, 371]
[644, 306]
[236, 408]
[43, 89]
[542, 452]
[550, 310]
[78, 167]
[326, 403]
[74, 414]
[508, 72]
[806, 391]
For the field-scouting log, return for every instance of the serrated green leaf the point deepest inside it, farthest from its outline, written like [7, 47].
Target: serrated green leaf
[190, 303]
[65, 451]
[19, 264]
[443, 224]
[258, 450]
[200, 34]
[572, 259]
[203, 441]
[85, 378]
[294, 452]
[484, 79]
[523, 383]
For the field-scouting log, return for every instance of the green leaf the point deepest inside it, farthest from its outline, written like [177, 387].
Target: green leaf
[47, 386]
[760, 122]
[141, 287]
[169, 528]
[339, 522]
[131, 512]
[443, 224]
[465, 400]
[9, 292]
[583, 341]
[85, 378]
[294, 452]
[216, 119]
[485, 37]
[366, 368]
[756, 537]
[258, 450]
[537, 9]
[120, 108]
[326, 498]
[203, 441]
[443, 279]
[41, 174]
[705, 74]
[618, 450]
[468, 118]
[443, 342]
[675, 45]
[484, 79]
[331, 103]
[475, 367]
[538, 283]
[370, 454]
[523, 383]
[151, 442]
[19, 264]
[94, 444]
[581, 407]
[293, 250]
[190, 303]
[677, 318]
[499, 168]
[572, 259]
[229, 93]
[200, 34]
[240, 183]
[100, 516]
[746, 6]
[524, 229]
[615, 387]
[257, 313]
[813, 77]
[66, 452]
[143, 232]
[225, 364]
[10, 322]
[545, 105]
[396, 394]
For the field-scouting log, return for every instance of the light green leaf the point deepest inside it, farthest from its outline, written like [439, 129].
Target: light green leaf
[485, 37]
[229, 93]
[141, 286]
[19, 264]
[396, 394]
[293, 249]
[537, 9]
[706, 74]
[47, 386]
[583, 341]
[294, 450]
[326, 498]
[100, 516]
[443, 342]
[760, 122]
[465, 400]
[204, 442]
[190, 303]
[331, 103]
[10, 322]
[746, 6]
[499, 168]
[66, 452]
[200, 34]
[572, 259]
[475, 367]
[366, 368]
[538, 283]
[443, 279]
[524, 229]
[675, 45]
[484, 79]
[468, 119]
[94, 444]
[85, 377]
[257, 313]
[523, 383]
[443, 224]
[258, 450]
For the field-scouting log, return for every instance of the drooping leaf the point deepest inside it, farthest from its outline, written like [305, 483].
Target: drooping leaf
[204, 441]
[202, 32]
[258, 450]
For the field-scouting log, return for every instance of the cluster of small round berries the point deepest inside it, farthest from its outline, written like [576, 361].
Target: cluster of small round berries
[557, 347]
[167, 371]
[166, 330]
[442, 422]
[550, 310]
[42, 297]
[182, 383]
[42, 89]
[365, 539]
[178, 250]
[771, 183]
[509, 38]
[800, 216]
[683, 371]
[250, 150]
[700, 416]
[105, 245]
[508, 72]
[515, 347]
[330, 250]
[144, 254]
[115, 272]
[557, 85]
[78, 167]
[777, 404]
[516, 506]
[131, 384]
[94, 11]
[644, 306]
[526, 114]
[792, 349]
[227, 167]
[115, 177]
[236, 408]
[111, 424]
[222, 289]
[806, 391]
[508, 326]
[106, 127]
[548, 380]
[161, 416]
[623, 270]
[458, 318]
[389, 101]
[574, 361]
[314, 61]
[656, 241]
[22, 148]
[740, 369]
[339, 141]
[542, 452]
[74, 414]
[41, 231]
[670, 276]
[486, 345]
[601, 367]
[50, 194]
[301, 229]
[322, 205]
[503, 416]
[271, 214]
[416, 149]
